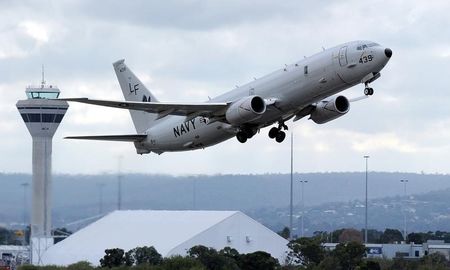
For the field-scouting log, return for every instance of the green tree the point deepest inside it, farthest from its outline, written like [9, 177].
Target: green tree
[285, 233]
[349, 255]
[416, 238]
[141, 255]
[82, 265]
[350, 235]
[129, 258]
[402, 264]
[306, 251]
[230, 253]
[258, 260]
[322, 235]
[373, 236]
[182, 263]
[434, 261]
[335, 235]
[211, 259]
[113, 258]
[369, 265]
[391, 236]
[328, 263]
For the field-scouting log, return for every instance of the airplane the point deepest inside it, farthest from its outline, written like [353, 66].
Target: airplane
[306, 87]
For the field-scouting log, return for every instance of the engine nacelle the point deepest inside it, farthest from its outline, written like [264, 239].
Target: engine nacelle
[245, 110]
[328, 110]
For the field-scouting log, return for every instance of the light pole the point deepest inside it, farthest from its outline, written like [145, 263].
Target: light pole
[303, 204]
[292, 185]
[100, 199]
[404, 207]
[366, 157]
[194, 195]
[119, 184]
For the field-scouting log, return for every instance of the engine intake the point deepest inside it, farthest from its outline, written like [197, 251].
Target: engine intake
[245, 110]
[328, 110]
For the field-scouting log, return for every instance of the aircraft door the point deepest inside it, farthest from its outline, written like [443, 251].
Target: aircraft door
[343, 56]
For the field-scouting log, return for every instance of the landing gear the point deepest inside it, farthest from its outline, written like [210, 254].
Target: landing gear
[241, 137]
[368, 91]
[273, 132]
[277, 134]
[245, 133]
[280, 136]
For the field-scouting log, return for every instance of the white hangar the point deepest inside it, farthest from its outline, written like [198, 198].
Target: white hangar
[170, 232]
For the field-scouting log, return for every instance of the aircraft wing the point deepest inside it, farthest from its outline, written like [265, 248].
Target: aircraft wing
[117, 138]
[163, 109]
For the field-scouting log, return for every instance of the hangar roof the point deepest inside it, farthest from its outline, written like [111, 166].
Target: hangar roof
[129, 229]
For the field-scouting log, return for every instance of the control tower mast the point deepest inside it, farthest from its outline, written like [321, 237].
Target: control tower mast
[42, 116]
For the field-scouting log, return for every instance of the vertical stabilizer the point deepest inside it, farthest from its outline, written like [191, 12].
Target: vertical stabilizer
[134, 90]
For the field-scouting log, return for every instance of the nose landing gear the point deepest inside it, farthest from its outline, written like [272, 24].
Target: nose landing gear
[277, 134]
[368, 91]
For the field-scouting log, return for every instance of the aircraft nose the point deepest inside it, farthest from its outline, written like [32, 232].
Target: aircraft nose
[388, 52]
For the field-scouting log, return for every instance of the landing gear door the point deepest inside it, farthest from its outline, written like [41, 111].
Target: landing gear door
[343, 56]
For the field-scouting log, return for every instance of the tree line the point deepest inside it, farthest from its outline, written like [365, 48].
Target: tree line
[388, 236]
[305, 254]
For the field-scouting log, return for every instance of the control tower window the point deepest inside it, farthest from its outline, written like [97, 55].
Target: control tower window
[37, 95]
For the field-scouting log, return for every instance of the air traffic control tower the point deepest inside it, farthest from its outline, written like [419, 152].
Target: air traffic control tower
[42, 116]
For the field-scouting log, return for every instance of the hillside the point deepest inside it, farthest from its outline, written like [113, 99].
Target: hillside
[264, 197]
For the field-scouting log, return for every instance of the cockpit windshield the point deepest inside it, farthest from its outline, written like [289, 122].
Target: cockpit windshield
[368, 45]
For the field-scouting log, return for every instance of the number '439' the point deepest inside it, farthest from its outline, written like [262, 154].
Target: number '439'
[366, 59]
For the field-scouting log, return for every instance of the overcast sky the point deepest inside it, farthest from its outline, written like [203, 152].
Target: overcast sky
[189, 50]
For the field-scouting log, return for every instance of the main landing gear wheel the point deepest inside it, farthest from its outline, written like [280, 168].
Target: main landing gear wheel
[280, 136]
[246, 133]
[241, 137]
[273, 132]
[277, 134]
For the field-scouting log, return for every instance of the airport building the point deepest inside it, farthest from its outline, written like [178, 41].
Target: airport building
[409, 251]
[170, 232]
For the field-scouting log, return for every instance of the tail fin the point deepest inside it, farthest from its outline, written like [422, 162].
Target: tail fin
[134, 90]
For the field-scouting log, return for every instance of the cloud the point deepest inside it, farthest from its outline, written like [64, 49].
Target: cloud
[380, 142]
[189, 50]
[35, 30]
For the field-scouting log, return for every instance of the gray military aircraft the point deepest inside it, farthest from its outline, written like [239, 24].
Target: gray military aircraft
[307, 87]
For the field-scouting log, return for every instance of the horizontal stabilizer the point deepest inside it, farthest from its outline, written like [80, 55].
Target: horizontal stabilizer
[117, 138]
[207, 109]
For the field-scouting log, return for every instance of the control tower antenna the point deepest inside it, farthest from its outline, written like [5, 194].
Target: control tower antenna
[43, 80]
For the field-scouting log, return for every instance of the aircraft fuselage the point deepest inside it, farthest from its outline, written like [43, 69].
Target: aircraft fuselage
[292, 88]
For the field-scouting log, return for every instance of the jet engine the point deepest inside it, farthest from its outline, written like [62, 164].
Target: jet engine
[327, 110]
[245, 110]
